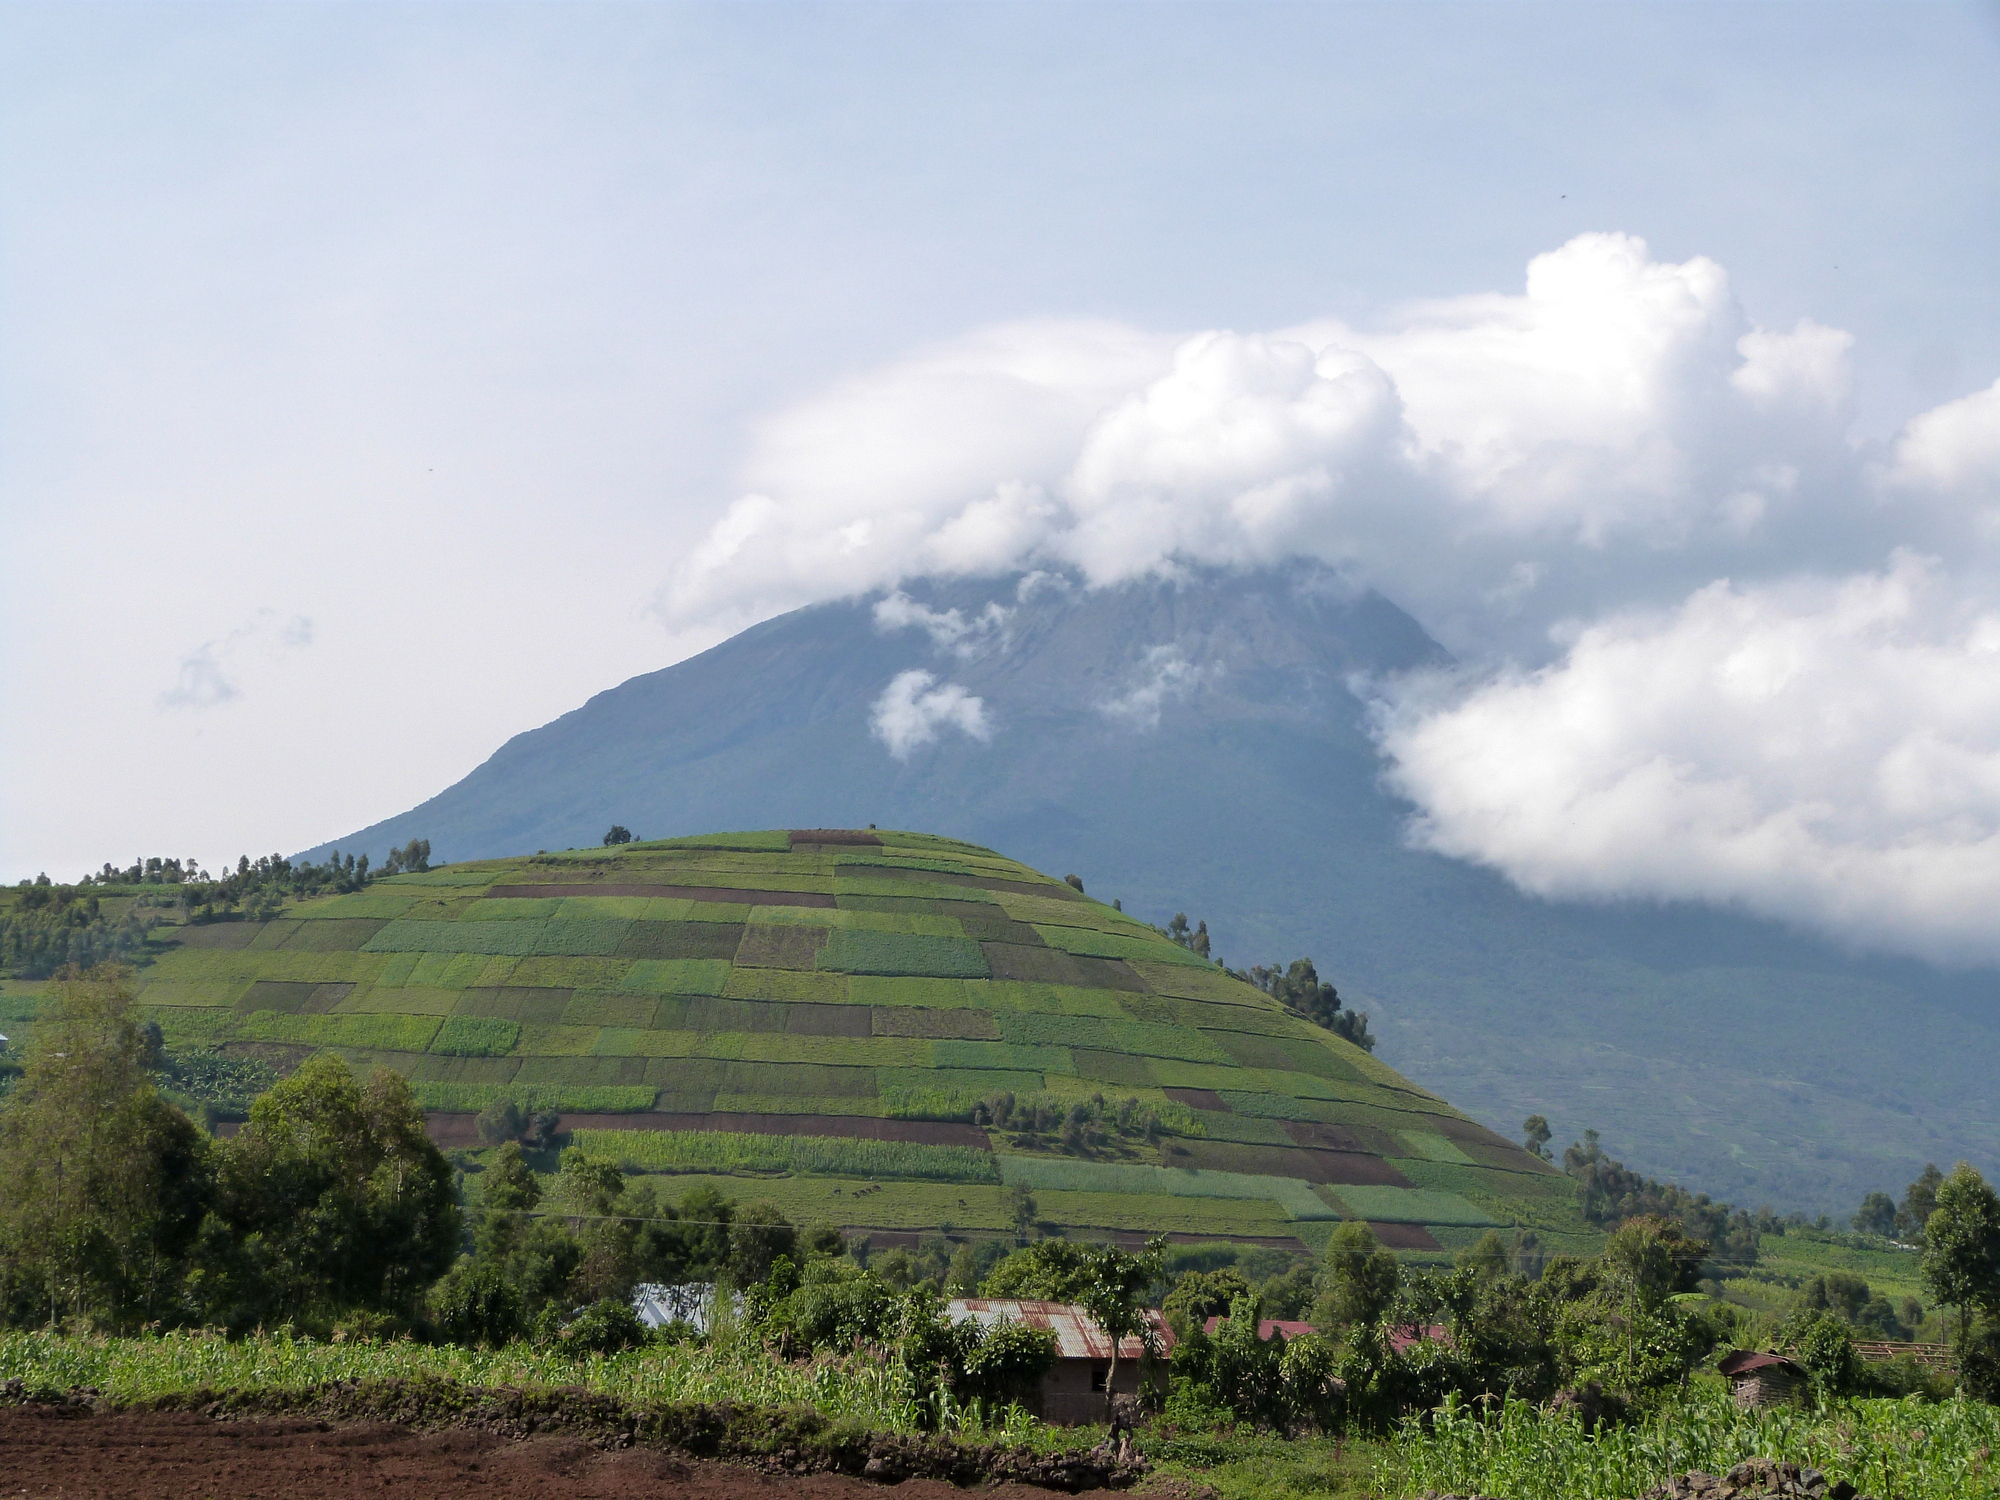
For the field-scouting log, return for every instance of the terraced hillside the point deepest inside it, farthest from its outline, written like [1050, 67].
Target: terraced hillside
[846, 1017]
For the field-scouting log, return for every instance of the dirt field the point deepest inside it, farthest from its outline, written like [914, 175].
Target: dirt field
[180, 1457]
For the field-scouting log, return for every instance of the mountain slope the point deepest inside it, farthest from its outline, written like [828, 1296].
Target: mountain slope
[835, 1013]
[1194, 745]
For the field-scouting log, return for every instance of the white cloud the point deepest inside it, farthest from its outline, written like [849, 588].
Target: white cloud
[1600, 446]
[1167, 674]
[209, 674]
[1825, 752]
[948, 629]
[911, 711]
[1620, 421]
[1954, 449]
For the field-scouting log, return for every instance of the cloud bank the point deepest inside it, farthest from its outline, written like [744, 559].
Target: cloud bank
[1718, 647]
[1825, 751]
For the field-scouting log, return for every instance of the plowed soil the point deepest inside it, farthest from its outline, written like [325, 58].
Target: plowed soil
[159, 1456]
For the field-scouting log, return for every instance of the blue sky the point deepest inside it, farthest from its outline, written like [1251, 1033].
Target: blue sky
[368, 370]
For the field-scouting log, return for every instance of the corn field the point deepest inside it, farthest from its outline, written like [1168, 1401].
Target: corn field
[1893, 1450]
[872, 1392]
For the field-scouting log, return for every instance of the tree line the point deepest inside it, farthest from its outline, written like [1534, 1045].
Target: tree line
[1295, 985]
[46, 926]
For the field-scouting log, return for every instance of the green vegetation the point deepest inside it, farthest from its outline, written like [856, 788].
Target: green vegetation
[1941, 1452]
[863, 986]
[816, 1156]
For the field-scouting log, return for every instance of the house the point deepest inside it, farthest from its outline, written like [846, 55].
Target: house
[1073, 1389]
[1761, 1379]
[1267, 1328]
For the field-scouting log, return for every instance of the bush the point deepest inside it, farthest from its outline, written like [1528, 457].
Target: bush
[476, 1304]
[607, 1326]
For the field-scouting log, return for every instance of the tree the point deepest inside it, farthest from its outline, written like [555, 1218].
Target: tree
[347, 1202]
[619, 834]
[1961, 1259]
[1195, 940]
[1487, 1257]
[415, 855]
[1919, 1202]
[758, 1235]
[1361, 1278]
[1877, 1216]
[103, 1185]
[1115, 1295]
[1536, 1135]
[1022, 1208]
[1198, 1296]
[1298, 987]
[507, 1186]
[1053, 1270]
[500, 1121]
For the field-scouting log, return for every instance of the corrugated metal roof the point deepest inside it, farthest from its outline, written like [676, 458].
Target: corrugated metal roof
[1748, 1362]
[1077, 1335]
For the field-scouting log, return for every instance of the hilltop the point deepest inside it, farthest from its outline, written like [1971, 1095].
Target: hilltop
[1198, 744]
[889, 1031]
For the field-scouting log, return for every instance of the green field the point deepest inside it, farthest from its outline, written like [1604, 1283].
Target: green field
[906, 979]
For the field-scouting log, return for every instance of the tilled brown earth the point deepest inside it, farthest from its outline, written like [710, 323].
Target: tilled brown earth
[171, 1455]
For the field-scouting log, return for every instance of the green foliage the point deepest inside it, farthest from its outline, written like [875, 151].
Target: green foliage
[1876, 1216]
[1825, 1347]
[414, 935]
[1198, 1296]
[47, 928]
[817, 1156]
[1361, 1279]
[853, 951]
[607, 1326]
[206, 1082]
[476, 1036]
[339, 1200]
[1961, 1263]
[1941, 1452]
[1298, 987]
[582, 1098]
[103, 1185]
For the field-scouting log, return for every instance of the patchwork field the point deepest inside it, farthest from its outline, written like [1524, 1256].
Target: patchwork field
[680, 1002]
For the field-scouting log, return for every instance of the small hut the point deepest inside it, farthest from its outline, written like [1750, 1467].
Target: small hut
[1762, 1379]
[1073, 1390]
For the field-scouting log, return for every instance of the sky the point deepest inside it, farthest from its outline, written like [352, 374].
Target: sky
[379, 381]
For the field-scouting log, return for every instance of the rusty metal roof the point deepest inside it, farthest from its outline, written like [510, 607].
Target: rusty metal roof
[1077, 1335]
[1748, 1362]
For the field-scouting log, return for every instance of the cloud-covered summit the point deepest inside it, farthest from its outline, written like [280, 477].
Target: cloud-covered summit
[1719, 647]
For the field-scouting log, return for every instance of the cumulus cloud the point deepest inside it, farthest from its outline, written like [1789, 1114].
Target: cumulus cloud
[1619, 422]
[1826, 752]
[210, 673]
[1552, 480]
[911, 712]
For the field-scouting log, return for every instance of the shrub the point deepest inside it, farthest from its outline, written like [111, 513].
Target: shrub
[476, 1304]
[607, 1326]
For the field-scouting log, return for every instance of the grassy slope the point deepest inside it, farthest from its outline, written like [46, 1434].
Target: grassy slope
[905, 981]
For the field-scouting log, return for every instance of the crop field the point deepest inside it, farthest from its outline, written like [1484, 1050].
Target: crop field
[910, 979]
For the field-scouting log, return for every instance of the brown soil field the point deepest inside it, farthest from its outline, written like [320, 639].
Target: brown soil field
[178, 1456]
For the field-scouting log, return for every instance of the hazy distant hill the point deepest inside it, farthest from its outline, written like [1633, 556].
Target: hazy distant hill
[1195, 746]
